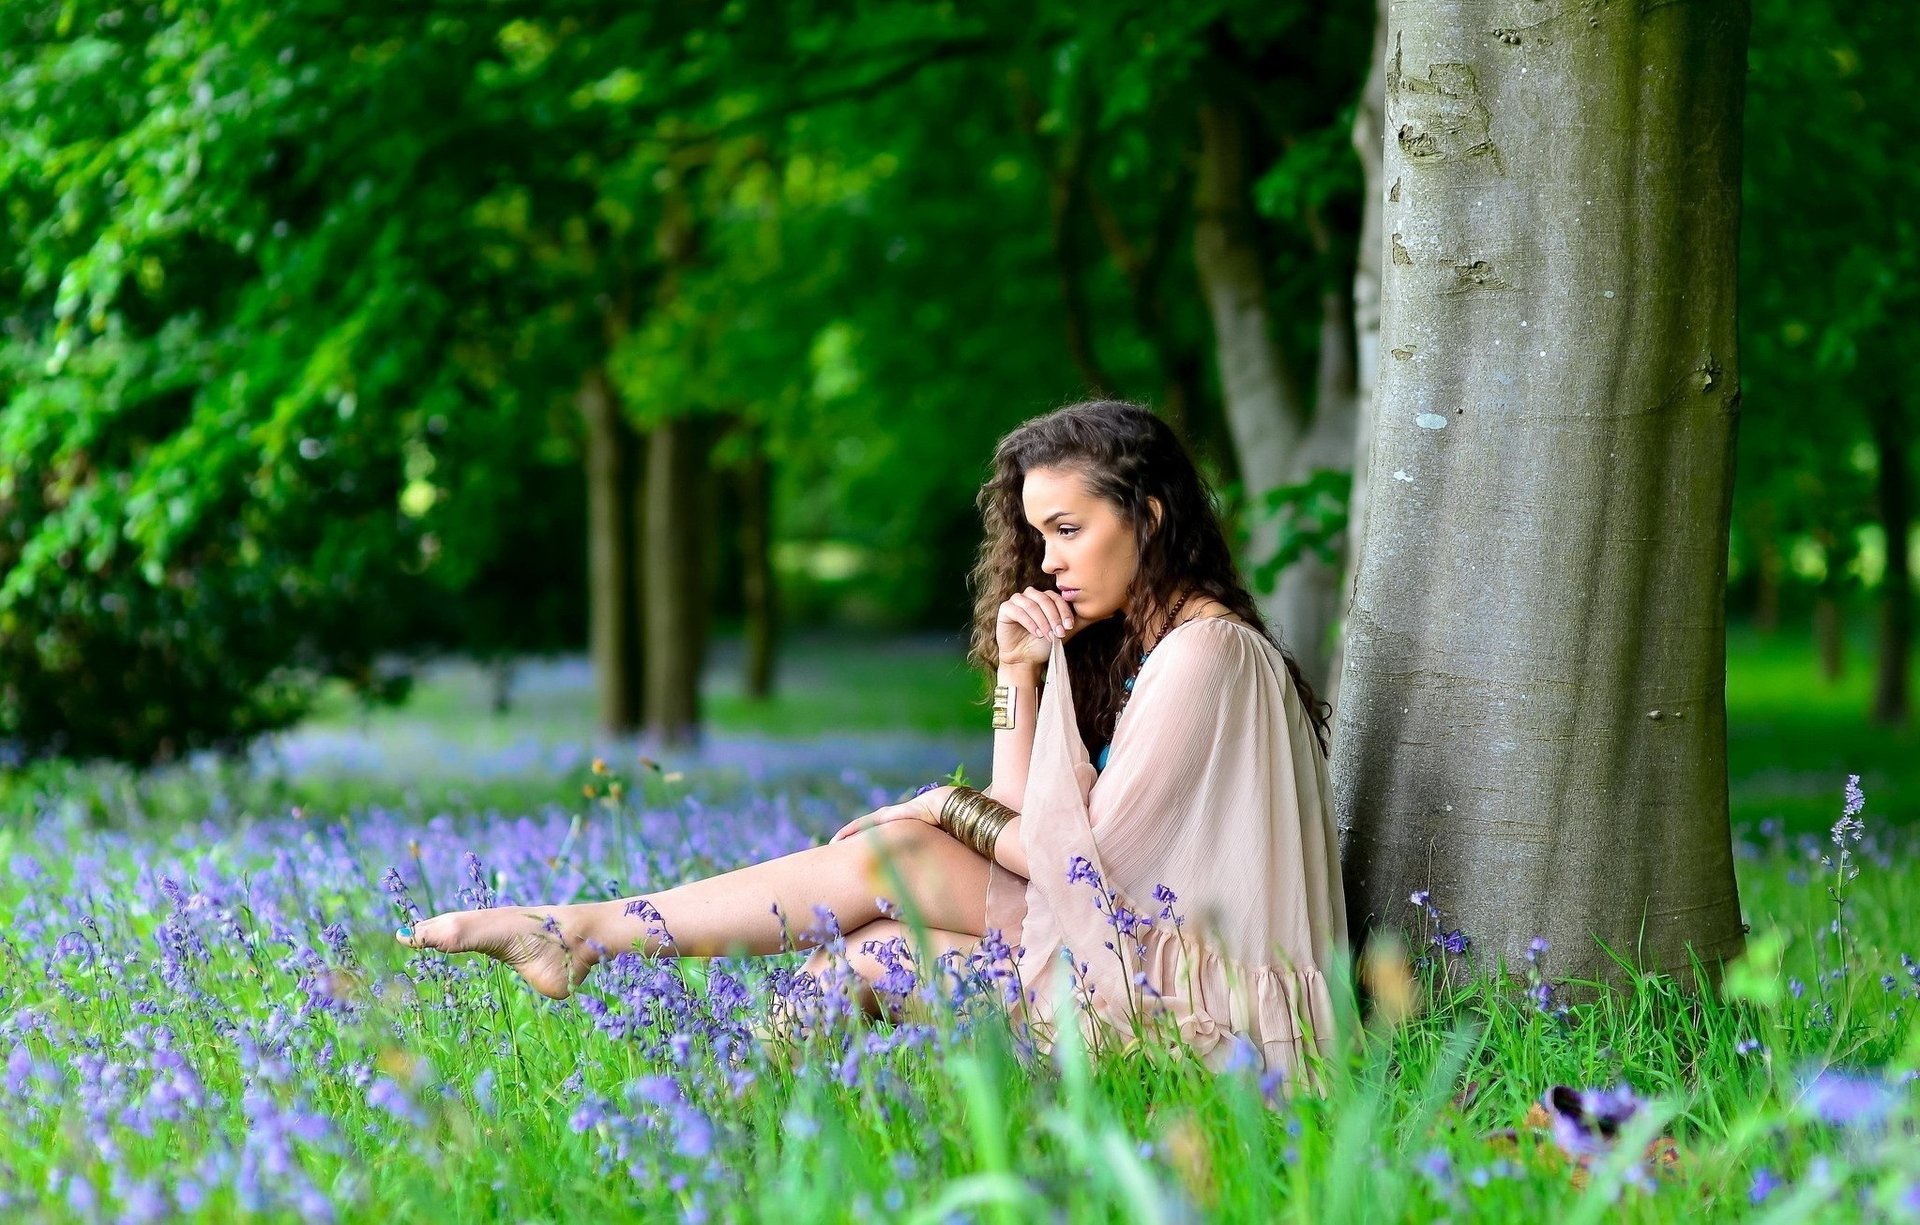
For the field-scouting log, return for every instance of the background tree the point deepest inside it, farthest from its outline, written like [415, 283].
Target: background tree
[1829, 263]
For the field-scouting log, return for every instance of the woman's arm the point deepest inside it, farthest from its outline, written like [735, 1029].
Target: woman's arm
[1013, 747]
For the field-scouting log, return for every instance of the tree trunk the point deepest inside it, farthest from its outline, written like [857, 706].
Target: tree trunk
[1309, 591]
[674, 578]
[1769, 574]
[1265, 412]
[613, 609]
[1829, 637]
[1896, 585]
[758, 592]
[1368, 127]
[1534, 713]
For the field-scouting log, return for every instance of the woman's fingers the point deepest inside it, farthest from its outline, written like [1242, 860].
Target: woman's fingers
[1047, 620]
[1063, 611]
[880, 816]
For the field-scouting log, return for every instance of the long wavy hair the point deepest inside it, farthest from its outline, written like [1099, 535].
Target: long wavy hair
[1126, 455]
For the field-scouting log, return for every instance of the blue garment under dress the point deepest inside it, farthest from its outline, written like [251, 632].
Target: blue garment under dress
[1100, 758]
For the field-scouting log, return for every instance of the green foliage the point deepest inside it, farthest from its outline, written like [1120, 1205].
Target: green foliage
[1829, 256]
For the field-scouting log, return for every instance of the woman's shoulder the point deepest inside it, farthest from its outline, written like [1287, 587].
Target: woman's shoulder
[1222, 638]
[1220, 648]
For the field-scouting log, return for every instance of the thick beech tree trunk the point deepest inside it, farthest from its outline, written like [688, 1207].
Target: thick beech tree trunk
[1368, 120]
[613, 592]
[1896, 585]
[1267, 415]
[1534, 715]
[672, 554]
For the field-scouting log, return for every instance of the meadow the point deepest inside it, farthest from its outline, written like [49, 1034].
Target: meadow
[203, 1014]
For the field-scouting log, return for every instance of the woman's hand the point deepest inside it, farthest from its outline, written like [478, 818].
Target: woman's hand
[1029, 622]
[923, 807]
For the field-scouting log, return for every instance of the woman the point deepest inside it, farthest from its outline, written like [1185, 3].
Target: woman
[1186, 871]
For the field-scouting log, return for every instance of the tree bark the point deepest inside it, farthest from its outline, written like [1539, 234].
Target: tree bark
[758, 593]
[1534, 714]
[613, 604]
[1369, 119]
[1266, 413]
[1895, 498]
[674, 578]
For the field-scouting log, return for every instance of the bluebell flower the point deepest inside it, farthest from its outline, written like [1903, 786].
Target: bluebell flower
[1842, 1099]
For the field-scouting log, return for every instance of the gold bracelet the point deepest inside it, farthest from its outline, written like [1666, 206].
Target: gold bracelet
[1003, 708]
[975, 819]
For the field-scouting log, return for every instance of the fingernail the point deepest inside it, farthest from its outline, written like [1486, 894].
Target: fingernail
[406, 931]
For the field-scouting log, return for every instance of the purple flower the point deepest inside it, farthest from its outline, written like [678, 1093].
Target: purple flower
[1841, 1099]
[1537, 948]
[1587, 1122]
[1454, 942]
[1437, 1167]
[1764, 1185]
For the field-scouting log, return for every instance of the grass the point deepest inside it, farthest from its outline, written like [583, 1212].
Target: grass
[203, 1017]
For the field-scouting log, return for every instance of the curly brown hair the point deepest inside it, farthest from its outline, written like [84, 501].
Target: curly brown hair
[1126, 455]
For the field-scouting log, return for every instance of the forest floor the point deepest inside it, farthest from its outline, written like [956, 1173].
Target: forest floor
[203, 1015]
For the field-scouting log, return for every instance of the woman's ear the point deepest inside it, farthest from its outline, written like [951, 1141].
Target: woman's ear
[1153, 509]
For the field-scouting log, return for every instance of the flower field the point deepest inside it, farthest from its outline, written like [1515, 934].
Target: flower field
[208, 1019]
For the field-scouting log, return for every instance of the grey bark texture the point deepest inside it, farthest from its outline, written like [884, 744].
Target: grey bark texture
[1369, 119]
[1533, 718]
[1277, 439]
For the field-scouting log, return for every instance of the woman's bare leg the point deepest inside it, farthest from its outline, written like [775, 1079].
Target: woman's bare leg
[939, 880]
[871, 969]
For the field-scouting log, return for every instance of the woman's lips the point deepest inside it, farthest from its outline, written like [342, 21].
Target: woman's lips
[1069, 593]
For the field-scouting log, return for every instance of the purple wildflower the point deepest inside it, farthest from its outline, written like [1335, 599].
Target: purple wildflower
[1586, 1122]
[1841, 1099]
[1764, 1184]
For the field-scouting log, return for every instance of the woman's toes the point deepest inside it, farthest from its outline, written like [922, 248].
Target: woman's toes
[423, 934]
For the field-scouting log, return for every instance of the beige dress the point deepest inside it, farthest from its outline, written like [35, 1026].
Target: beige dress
[1216, 790]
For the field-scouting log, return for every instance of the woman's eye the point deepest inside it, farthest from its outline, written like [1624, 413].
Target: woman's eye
[1068, 531]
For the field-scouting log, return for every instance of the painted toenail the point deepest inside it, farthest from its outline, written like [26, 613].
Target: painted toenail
[406, 931]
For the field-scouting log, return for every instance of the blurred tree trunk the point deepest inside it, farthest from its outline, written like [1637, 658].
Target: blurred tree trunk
[758, 593]
[1895, 498]
[1769, 573]
[613, 595]
[1534, 708]
[1829, 636]
[1265, 407]
[1368, 127]
[672, 551]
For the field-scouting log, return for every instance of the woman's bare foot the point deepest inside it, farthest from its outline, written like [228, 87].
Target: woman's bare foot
[551, 947]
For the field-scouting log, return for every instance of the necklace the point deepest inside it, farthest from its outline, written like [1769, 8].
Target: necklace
[1165, 626]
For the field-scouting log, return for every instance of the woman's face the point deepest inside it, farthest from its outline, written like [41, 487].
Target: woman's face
[1090, 549]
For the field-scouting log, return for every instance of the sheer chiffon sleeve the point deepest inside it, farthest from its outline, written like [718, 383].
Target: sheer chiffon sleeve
[1197, 879]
